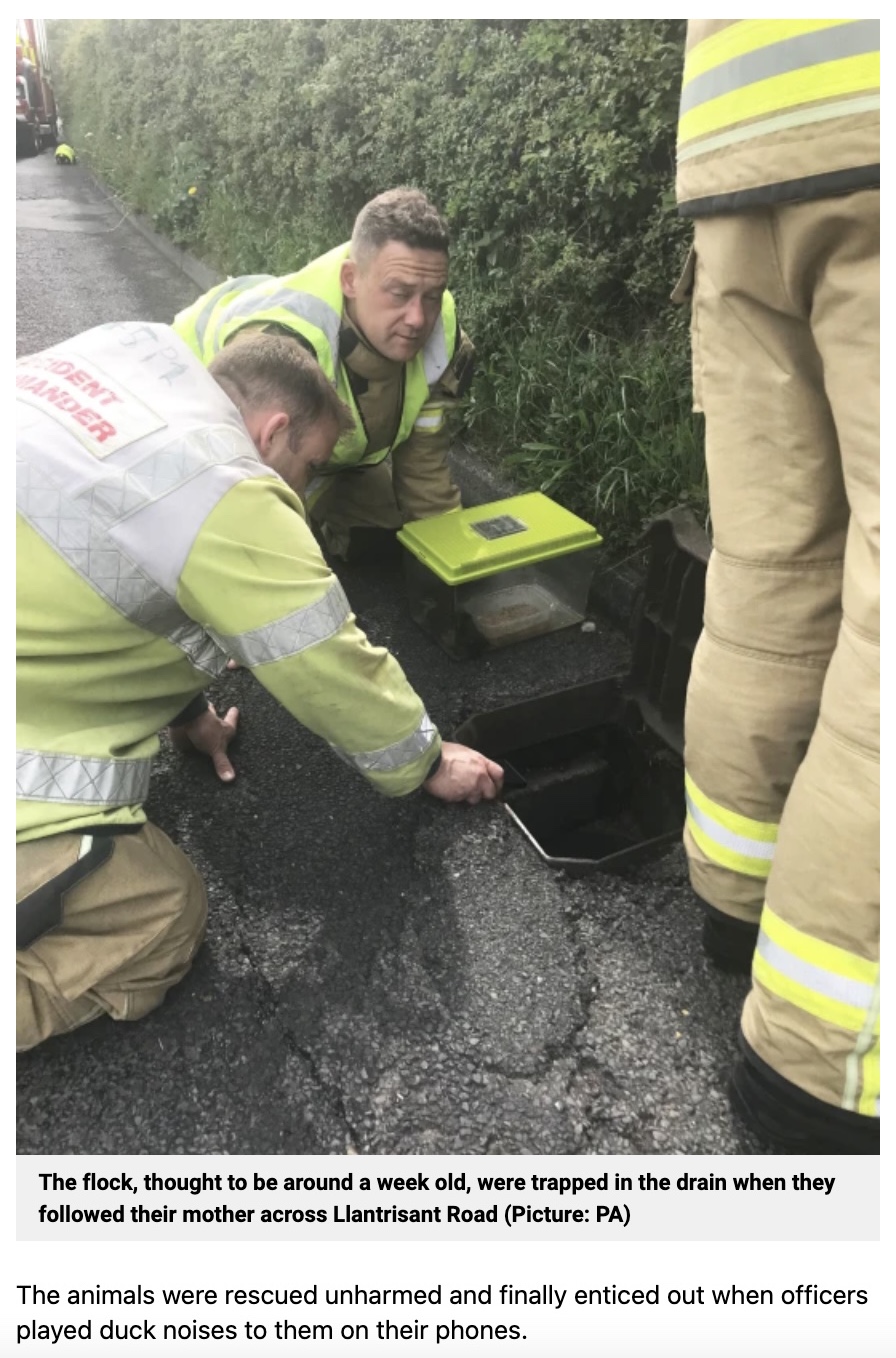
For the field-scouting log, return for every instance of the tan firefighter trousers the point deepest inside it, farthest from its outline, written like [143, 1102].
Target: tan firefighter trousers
[414, 482]
[129, 932]
[781, 728]
[356, 498]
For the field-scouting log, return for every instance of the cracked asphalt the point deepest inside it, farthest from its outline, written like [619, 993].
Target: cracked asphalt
[380, 976]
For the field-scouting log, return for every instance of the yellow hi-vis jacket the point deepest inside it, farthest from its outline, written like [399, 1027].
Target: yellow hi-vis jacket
[777, 110]
[152, 544]
[310, 302]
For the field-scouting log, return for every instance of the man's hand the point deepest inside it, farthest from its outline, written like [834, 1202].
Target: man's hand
[465, 775]
[209, 734]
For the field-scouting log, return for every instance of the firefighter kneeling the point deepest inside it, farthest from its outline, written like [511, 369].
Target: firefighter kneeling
[152, 545]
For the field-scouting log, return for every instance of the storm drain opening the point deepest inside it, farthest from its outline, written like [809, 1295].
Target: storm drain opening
[586, 781]
[621, 793]
[594, 775]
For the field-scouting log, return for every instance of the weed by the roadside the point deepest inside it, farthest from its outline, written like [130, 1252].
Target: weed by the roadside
[603, 425]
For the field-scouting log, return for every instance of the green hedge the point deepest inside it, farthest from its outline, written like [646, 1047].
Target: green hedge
[548, 143]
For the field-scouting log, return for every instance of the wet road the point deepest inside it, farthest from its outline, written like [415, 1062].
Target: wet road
[379, 976]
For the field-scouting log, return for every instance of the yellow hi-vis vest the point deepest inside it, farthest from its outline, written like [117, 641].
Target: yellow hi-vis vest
[311, 303]
[777, 110]
[140, 500]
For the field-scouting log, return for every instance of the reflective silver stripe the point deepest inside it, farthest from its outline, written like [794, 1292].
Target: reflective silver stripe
[750, 848]
[304, 305]
[45, 777]
[433, 420]
[435, 353]
[288, 636]
[398, 755]
[246, 281]
[852, 39]
[201, 649]
[781, 122]
[128, 533]
[68, 524]
[53, 482]
[161, 534]
[828, 984]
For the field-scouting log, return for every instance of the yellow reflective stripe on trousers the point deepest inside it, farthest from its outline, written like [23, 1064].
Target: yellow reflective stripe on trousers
[777, 71]
[832, 984]
[835, 985]
[728, 839]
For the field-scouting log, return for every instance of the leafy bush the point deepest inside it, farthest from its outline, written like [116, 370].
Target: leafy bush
[549, 144]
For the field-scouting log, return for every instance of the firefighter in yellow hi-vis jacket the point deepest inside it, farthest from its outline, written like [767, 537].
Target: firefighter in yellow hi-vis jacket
[377, 314]
[778, 163]
[145, 484]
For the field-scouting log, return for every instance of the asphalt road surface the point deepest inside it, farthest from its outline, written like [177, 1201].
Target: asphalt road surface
[380, 976]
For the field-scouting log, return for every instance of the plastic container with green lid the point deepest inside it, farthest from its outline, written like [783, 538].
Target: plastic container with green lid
[498, 573]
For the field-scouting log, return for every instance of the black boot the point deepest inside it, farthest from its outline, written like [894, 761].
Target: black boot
[727, 941]
[793, 1121]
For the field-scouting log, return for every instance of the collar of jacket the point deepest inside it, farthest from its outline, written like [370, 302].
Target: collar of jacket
[358, 354]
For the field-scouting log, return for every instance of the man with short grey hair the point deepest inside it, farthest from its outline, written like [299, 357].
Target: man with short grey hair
[377, 314]
[404, 215]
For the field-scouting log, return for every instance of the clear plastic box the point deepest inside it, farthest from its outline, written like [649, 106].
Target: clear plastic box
[499, 573]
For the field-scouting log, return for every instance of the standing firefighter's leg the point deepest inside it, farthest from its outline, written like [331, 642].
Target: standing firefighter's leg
[779, 516]
[811, 1075]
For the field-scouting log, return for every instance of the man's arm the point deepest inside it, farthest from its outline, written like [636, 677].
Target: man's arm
[258, 582]
[420, 473]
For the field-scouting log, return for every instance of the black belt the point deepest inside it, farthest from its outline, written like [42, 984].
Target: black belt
[41, 910]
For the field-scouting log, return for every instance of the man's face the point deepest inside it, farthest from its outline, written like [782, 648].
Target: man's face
[395, 297]
[302, 461]
[296, 459]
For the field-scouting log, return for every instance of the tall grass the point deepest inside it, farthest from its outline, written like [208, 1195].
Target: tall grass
[601, 424]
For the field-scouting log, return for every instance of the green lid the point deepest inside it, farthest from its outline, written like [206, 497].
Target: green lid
[472, 543]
